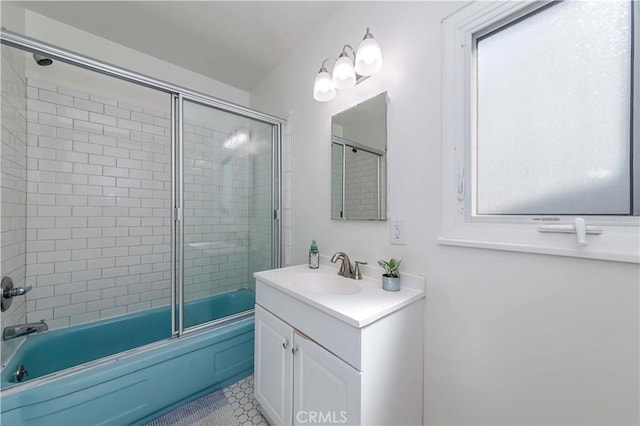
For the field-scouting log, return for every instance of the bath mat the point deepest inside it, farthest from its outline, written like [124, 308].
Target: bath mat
[210, 410]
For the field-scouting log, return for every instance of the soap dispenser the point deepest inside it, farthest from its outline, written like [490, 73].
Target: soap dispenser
[314, 255]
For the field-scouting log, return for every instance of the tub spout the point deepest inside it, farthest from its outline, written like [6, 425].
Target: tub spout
[14, 331]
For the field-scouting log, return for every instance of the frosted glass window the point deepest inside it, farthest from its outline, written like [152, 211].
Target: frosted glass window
[554, 112]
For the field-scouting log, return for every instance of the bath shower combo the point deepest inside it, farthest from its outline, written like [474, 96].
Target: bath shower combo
[136, 235]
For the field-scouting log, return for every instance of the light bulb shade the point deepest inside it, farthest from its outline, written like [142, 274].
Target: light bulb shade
[368, 57]
[344, 76]
[323, 89]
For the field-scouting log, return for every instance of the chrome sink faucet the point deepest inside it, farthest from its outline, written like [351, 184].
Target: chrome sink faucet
[348, 270]
[13, 331]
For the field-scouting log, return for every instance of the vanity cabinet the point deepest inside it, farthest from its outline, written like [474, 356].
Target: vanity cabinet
[297, 380]
[337, 359]
[273, 368]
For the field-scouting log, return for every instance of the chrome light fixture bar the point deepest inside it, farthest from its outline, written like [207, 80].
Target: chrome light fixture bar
[351, 67]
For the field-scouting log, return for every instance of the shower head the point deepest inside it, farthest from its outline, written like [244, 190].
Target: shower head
[41, 60]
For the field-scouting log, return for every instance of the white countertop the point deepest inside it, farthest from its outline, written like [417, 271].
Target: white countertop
[364, 302]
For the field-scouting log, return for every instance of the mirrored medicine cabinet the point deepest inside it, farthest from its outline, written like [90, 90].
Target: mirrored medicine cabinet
[359, 161]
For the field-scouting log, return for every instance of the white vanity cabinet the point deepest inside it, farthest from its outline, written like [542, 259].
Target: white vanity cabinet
[297, 380]
[273, 367]
[353, 358]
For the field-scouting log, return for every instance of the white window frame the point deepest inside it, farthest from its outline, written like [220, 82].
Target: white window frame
[620, 238]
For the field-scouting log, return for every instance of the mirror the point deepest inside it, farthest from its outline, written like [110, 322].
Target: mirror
[359, 161]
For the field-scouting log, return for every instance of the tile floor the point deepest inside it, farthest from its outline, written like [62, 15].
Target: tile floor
[231, 406]
[245, 406]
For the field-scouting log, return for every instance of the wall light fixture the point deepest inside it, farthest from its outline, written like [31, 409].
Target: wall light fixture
[351, 68]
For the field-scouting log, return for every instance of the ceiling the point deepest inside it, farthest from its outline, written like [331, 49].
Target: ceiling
[235, 42]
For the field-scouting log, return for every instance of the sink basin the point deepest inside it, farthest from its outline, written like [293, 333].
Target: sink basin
[356, 303]
[323, 283]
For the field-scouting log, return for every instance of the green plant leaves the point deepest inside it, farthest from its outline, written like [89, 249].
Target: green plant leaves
[391, 267]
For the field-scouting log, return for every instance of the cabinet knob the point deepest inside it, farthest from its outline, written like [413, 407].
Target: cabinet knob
[285, 344]
[294, 350]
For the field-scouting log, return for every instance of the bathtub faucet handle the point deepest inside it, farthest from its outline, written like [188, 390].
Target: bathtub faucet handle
[17, 291]
[9, 292]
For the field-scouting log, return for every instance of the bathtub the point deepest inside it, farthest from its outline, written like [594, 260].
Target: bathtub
[126, 370]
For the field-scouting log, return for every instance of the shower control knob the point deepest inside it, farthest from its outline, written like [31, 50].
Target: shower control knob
[9, 291]
[17, 291]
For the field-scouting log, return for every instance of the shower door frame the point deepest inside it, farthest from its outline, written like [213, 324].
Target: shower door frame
[178, 101]
[178, 94]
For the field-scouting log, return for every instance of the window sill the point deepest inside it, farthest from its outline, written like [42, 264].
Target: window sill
[616, 243]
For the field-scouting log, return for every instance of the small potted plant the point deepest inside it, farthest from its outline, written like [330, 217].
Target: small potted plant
[391, 277]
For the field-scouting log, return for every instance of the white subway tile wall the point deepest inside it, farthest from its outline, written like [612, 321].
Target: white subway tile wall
[13, 186]
[337, 151]
[98, 205]
[228, 202]
[261, 254]
[216, 182]
[361, 189]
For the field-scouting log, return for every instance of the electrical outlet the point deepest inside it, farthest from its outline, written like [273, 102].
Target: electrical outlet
[397, 231]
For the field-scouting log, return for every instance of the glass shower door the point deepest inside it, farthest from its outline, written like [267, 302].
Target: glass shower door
[13, 188]
[228, 203]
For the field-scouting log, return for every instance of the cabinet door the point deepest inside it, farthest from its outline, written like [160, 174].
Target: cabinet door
[326, 389]
[273, 366]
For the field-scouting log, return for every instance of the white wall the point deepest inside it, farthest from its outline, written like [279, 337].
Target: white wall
[78, 41]
[510, 338]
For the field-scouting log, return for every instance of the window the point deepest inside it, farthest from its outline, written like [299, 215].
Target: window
[538, 108]
[553, 109]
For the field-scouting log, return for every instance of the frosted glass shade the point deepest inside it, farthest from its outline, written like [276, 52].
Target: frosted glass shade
[344, 76]
[323, 90]
[368, 57]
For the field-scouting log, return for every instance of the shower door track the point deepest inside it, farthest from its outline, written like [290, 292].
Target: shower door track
[178, 95]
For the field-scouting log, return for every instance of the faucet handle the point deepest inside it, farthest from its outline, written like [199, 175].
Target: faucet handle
[356, 272]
